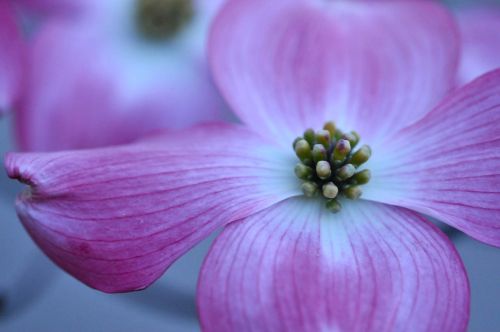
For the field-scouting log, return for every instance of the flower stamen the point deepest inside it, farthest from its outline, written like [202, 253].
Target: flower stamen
[329, 165]
[162, 19]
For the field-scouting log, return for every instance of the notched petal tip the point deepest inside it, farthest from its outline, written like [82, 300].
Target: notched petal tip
[117, 218]
[103, 253]
[16, 169]
[93, 262]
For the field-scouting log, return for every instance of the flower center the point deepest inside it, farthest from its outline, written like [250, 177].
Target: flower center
[162, 19]
[329, 165]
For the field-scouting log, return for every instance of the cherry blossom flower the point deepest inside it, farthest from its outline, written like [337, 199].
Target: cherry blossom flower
[479, 26]
[308, 243]
[11, 57]
[117, 70]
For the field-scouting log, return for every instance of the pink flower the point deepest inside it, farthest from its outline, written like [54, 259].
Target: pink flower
[117, 218]
[11, 57]
[108, 75]
[480, 31]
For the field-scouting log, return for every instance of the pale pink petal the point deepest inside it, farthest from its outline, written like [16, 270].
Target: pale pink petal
[11, 57]
[480, 30]
[284, 66]
[298, 267]
[448, 164]
[116, 218]
[93, 82]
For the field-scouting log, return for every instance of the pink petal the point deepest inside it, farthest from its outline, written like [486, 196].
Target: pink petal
[297, 267]
[448, 164]
[480, 29]
[129, 88]
[48, 7]
[11, 57]
[287, 65]
[116, 218]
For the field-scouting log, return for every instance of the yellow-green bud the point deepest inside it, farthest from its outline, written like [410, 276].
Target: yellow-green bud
[309, 188]
[303, 151]
[310, 136]
[330, 190]
[303, 172]
[342, 149]
[333, 205]
[295, 141]
[330, 126]
[362, 177]
[345, 172]
[361, 156]
[323, 138]
[323, 170]
[356, 136]
[338, 134]
[318, 153]
[352, 192]
[352, 137]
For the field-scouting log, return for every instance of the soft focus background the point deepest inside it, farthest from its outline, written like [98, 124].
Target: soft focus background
[37, 296]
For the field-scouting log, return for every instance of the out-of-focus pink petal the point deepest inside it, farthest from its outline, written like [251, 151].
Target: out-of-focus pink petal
[116, 218]
[448, 164]
[34, 13]
[94, 82]
[480, 29]
[284, 66]
[298, 267]
[11, 57]
[48, 7]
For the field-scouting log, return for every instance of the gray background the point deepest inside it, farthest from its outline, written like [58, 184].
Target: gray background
[37, 296]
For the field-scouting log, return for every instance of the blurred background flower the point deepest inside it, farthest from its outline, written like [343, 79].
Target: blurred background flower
[108, 72]
[480, 28]
[91, 45]
[11, 57]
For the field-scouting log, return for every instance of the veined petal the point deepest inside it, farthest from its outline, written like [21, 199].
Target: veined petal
[130, 87]
[298, 267]
[448, 164]
[480, 30]
[11, 57]
[284, 66]
[116, 218]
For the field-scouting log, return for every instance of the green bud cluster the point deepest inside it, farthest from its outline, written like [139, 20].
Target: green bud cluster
[329, 164]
